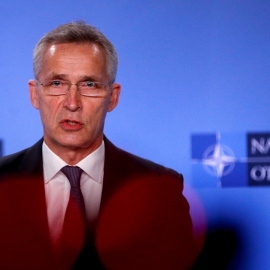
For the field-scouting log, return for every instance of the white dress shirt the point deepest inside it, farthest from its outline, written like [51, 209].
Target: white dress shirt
[57, 187]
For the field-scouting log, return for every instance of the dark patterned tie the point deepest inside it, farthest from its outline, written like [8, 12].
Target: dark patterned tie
[73, 233]
[73, 173]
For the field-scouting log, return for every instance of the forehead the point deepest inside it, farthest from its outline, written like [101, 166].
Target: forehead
[74, 58]
[64, 49]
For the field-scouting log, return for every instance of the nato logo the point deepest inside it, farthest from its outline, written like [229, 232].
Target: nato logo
[230, 160]
[259, 159]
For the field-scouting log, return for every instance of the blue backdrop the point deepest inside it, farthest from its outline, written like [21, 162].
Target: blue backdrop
[188, 69]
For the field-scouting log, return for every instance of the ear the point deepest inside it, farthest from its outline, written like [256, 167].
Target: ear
[114, 98]
[33, 93]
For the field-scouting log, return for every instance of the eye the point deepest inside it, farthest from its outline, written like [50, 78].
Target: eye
[90, 84]
[56, 83]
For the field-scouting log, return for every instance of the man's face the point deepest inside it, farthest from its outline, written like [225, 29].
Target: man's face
[73, 121]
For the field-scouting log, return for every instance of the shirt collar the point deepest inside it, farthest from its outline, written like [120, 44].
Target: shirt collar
[93, 164]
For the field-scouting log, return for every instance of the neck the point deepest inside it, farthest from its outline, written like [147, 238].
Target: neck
[72, 154]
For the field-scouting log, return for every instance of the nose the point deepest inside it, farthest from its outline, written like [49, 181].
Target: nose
[73, 99]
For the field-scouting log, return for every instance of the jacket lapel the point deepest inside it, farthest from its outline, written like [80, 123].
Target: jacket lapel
[31, 162]
[112, 171]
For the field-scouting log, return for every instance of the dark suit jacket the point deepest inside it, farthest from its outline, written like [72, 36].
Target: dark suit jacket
[144, 220]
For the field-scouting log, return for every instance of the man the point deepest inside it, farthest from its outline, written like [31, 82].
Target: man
[133, 215]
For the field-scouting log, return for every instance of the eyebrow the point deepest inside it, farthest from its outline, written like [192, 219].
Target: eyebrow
[53, 76]
[89, 78]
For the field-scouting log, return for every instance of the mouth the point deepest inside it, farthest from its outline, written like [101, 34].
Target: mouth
[70, 125]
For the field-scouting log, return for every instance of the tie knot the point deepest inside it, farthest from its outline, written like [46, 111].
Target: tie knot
[73, 173]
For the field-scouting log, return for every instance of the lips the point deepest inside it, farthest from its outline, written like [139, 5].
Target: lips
[71, 125]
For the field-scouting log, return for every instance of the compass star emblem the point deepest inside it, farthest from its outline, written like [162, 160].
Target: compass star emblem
[218, 160]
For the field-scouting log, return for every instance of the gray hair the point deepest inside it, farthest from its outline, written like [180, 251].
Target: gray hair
[76, 32]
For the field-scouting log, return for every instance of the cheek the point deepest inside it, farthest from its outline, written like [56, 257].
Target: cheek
[48, 108]
[103, 110]
[96, 112]
[50, 103]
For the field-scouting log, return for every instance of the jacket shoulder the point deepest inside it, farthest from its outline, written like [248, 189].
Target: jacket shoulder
[128, 162]
[11, 162]
[27, 160]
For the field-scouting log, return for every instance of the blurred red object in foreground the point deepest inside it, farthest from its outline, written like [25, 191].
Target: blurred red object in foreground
[146, 225]
[24, 234]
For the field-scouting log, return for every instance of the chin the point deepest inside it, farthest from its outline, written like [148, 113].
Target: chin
[74, 144]
[77, 142]
[69, 141]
